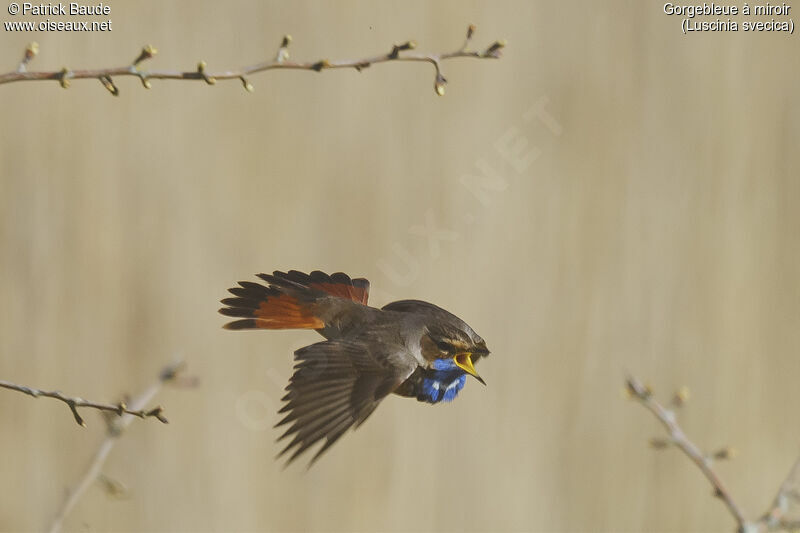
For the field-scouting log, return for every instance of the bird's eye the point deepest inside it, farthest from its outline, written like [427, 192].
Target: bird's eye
[444, 346]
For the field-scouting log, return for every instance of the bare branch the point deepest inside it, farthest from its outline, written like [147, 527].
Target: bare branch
[116, 426]
[399, 52]
[776, 519]
[677, 437]
[74, 403]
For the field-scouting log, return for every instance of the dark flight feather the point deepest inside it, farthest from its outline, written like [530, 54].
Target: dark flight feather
[337, 384]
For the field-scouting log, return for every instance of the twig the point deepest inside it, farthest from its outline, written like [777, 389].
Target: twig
[74, 403]
[116, 427]
[644, 396]
[399, 52]
[773, 520]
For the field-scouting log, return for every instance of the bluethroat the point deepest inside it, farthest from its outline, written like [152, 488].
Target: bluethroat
[410, 348]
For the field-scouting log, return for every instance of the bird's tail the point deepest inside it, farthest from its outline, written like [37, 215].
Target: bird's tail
[290, 300]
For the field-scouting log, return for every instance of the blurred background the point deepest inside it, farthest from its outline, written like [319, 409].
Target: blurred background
[610, 197]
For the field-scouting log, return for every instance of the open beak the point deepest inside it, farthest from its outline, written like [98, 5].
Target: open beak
[464, 361]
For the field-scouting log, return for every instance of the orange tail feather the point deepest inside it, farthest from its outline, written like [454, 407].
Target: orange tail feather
[266, 308]
[291, 300]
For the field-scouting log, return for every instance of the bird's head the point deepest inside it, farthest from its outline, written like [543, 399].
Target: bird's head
[452, 348]
[454, 351]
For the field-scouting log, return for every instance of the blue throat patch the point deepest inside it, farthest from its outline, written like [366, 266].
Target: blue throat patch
[442, 383]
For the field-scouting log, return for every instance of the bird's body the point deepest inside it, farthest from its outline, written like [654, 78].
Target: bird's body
[410, 348]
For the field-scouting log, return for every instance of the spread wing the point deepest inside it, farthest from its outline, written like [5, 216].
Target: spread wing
[336, 385]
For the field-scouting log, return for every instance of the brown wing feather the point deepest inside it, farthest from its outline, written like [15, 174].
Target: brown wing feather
[336, 385]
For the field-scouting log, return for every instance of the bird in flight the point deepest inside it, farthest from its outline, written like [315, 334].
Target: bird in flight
[410, 348]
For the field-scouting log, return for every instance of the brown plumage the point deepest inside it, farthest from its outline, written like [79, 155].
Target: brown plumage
[410, 348]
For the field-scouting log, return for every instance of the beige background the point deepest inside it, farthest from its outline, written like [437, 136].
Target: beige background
[654, 232]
